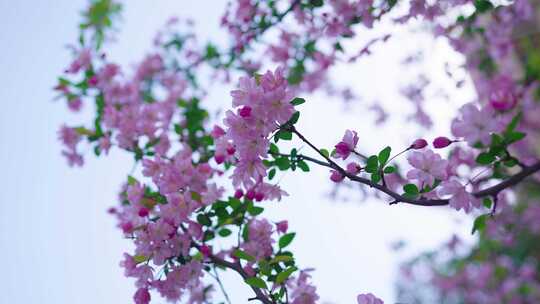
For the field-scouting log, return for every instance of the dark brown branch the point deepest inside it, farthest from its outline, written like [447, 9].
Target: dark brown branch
[491, 191]
[237, 267]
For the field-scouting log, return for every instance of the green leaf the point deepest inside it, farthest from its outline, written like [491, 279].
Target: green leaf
[482, 5]
[274, 149]
[272, 173]
[132, 180]
[316, 3]
[298, 101]
[255, 210]
[376, 177]
[140, 258]
[286, 239]
[487, 202]
[514, 123]
[282, 163]
[411, 189]
[203, 219]
[303, 165]
[384, 155]
[389, 169]
[281, 258]
[325, 152]
[243, 256]
[224, 232]
[480, 223]
[285, 135]
[513, 137]
[294, 119]
[485, 158]
[372, 164]
[256, 282]
[284, 275]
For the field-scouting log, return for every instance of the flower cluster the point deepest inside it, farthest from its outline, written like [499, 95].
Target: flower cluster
[263, 105]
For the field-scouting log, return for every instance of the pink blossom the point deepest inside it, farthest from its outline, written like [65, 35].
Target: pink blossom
[428, 166]
[368, 298]
[475, 125]
[301, 290]
[135, 192]
[260, 240]
[460, 198]
[75, 104]
[347, 144]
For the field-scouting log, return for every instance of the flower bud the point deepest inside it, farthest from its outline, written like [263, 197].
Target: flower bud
[250, 195]
[441, 142]
[143, 212]
[259, 196]
[336, 177]
[245, 111]
[419, 144]
[353, 168]
[219, 158]
[282, 226]
[238, 193]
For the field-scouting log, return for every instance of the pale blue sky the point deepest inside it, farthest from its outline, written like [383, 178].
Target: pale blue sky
[58, 245]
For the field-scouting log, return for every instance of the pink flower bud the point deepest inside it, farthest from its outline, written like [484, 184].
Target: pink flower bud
[93, 81]
[259, 196]
[127, 227]
[353, 168]
[419, 144]
[245, 111]
[282, 226]
[217, 132]
[231, 150]
[142, 296]
[250, 195]
[219, 158]
[336, 177]
[342, 149]
[238, 193]
[206, 250]
[441, 142]
[143, 212]
[75, 104]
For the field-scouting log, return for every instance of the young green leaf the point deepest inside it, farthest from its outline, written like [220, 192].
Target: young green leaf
[284, 275]
[242, 255]
[303, 165]
[297, 101]
[485, 158]
[411, 189]
[286, 239]
[256, 282]
[384, 155]
[480, 223]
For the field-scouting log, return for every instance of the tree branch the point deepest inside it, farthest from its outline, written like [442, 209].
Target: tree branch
[491, 191]
[237, 267]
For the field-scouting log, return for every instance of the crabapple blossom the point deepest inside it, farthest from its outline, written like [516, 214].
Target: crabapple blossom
[368, 298]
[201, 184]
[346, 145]
[475, 125]
[428, 166]
[460, 198]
